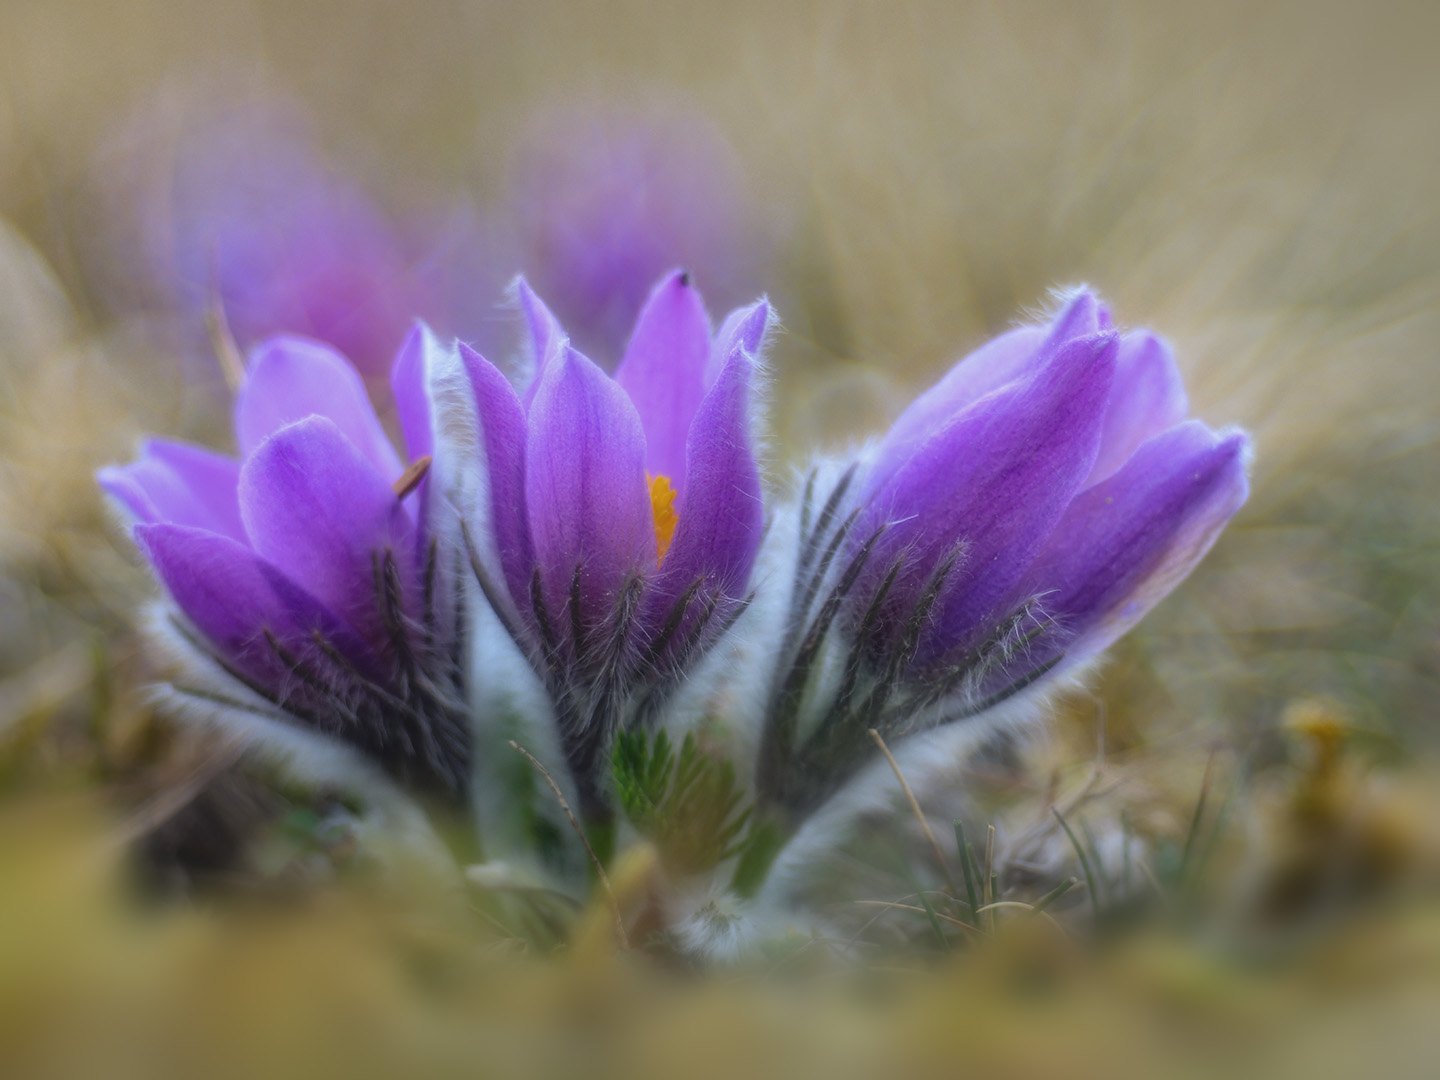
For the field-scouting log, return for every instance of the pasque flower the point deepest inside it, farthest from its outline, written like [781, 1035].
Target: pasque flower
[308, 569]
[624, 513]
[1017, 518]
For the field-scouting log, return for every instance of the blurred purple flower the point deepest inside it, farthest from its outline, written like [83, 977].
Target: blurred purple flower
[625, 513]
[307, 568]
[603, 203]
[239, 205]
[1018, 517]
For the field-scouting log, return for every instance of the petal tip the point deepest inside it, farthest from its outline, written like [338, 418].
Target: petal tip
[107, 475]
[115, 481]
[517, 288]
[756, 322]
[1241, 450]
[415, 336]
[678, 278]
[1076, 311]
[279, 345]
[156, 538]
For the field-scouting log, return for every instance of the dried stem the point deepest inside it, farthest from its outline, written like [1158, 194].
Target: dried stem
[222, 341]
[914, 805]
[990, 873]
[920, 911]
[176, 797]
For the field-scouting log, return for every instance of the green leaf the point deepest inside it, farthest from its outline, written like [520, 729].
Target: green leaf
[689, 804]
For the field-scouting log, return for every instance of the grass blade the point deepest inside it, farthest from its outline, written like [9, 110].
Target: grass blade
[967, 865]
[1084, 863]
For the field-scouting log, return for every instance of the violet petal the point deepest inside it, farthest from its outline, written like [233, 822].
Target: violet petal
[1082, 314]
[1126, 542]
[994, 364]
[1147, 398]
[544, 330]
[745, 327]
[1016, 354]
[997, 476]
[412, 394]
[233, 597]
[585, 487]
[722, 515]
[663, 371]
[319, 511]
[291, 378]
[180, 483]
[503, 440]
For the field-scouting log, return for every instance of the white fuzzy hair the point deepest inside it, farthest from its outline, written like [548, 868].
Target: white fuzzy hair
[204, 695]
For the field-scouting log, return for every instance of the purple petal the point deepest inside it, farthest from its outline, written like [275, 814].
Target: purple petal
[503, 437]
[722, 514]
[546, 333]
[412, 394]
[585, 487]
[319, 511]
[1148, 397]
[1125, 543]
[994, 364]
[179, 483]
[744, 327]
[291, 378]
[1016, 354]
[1081, 315]
[233, 597]
[998, 477]
[664, 372]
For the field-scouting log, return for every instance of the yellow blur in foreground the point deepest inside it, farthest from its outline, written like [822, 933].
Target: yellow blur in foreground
[377, 981]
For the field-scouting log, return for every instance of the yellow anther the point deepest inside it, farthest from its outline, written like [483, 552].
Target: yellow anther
[662, 504]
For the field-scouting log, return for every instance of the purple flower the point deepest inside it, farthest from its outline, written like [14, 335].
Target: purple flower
[308, 569]
[604, 202]
[239, 204]
[624, 513]
[1019, 516]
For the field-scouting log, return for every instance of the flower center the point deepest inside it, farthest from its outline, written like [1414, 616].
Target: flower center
[662, 504]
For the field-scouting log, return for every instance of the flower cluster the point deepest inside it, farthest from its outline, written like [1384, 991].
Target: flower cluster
[1016, 519]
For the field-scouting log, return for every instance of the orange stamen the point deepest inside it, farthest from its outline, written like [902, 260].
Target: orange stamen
[410, 479]
[662, 504]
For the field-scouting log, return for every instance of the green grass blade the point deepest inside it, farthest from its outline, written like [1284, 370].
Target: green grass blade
[967, 865]
[1084, 863]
